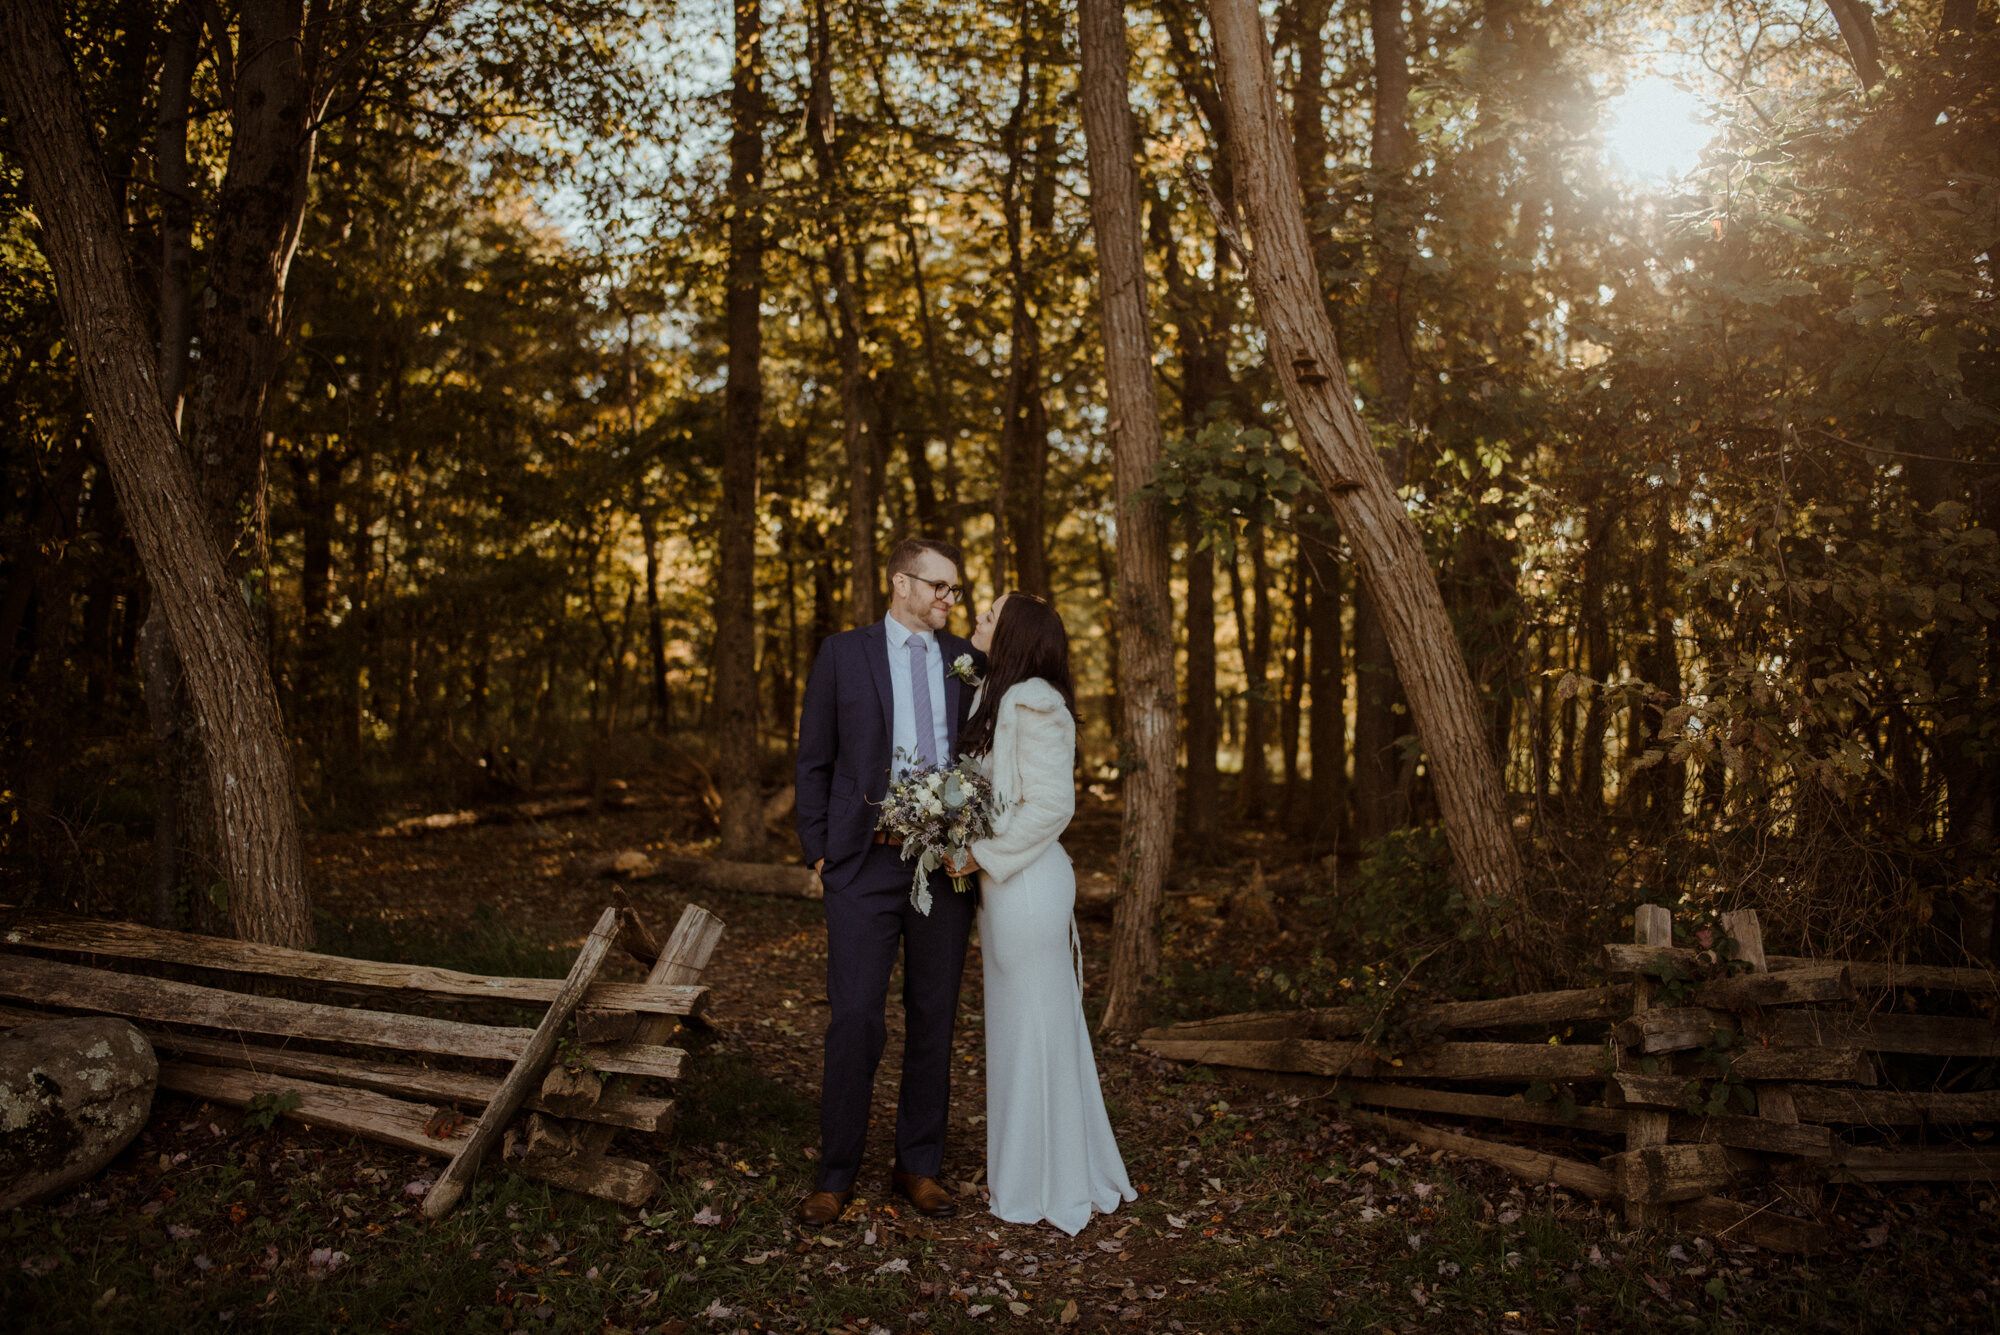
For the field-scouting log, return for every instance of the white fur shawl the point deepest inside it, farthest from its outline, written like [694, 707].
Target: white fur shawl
[1034, 773]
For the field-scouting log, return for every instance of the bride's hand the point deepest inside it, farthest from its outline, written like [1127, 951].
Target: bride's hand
[970, 866]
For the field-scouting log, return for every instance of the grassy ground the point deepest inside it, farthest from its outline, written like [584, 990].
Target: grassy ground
[1259, 1210]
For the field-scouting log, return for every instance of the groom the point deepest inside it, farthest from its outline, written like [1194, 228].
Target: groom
[877, 696]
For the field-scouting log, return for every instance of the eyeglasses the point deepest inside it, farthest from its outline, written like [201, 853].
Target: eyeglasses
[941, 588]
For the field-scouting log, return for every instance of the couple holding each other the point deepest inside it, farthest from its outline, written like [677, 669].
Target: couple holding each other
[877, 696]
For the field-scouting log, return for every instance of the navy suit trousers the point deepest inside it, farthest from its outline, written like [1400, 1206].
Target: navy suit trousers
[866, 920]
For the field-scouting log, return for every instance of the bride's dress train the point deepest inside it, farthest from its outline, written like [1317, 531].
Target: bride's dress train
[1050, 1152]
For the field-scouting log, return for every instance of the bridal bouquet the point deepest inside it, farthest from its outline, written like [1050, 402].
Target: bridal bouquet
[937, 811]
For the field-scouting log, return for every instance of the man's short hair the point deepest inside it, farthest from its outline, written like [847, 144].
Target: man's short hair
[903, 561]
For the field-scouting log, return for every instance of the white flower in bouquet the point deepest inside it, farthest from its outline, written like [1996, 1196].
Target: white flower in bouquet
[937, 811]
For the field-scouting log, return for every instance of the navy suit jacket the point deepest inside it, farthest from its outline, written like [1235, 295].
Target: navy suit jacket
[845, 747]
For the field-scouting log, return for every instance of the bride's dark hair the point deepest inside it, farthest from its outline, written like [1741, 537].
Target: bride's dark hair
[1028, 641]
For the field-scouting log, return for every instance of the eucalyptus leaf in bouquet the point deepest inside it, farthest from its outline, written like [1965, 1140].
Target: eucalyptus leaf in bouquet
[938, 811]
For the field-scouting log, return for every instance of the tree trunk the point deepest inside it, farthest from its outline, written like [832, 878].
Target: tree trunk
[1540, 696]
[1254, 795]
[1204, 781]
[1379, 807]
[735, 674]
[178, 59]
[1145, 607]
[1291, 708]
[1018, 523]
[258, 213]
[1204, 380]
[269, 87]
[1596, 663]
[1307, 357]
[656, 634]
[162, 670]
[1662, 784]
[249, 768]
[857, 440]
[1239, 710]
[1326, 680]
[944, 421]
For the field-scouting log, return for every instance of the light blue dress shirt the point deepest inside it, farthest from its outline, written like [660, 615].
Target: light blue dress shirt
[903, 734]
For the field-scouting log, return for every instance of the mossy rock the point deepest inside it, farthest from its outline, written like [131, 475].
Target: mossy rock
[72, 1094]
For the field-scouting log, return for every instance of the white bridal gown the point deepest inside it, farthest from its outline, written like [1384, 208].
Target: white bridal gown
[1050, 1154]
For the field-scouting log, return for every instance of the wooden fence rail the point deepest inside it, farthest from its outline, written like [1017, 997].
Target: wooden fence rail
[384, 1078]
[1786, 1042]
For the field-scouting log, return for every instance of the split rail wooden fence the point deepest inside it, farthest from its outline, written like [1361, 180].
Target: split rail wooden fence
[382, 1065]
[1763, 1076]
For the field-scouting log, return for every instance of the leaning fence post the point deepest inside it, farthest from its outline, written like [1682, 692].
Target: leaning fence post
[527, 1073]
[1652, 925]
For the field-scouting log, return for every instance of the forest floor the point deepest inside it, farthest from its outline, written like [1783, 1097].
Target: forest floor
[1258, 1210]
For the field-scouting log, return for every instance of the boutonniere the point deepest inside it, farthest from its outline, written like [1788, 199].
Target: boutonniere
[961, 667]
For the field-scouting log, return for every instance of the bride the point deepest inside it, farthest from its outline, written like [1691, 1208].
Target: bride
[1050, 1154]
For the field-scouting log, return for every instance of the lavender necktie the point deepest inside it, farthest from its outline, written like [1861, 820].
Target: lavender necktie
[920, 701]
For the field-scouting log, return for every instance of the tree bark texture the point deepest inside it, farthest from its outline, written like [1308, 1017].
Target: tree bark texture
[1253, 793]
[178, 58]
[1291, 708]
[1204, 780]
[1302, 347]
[1380, 803]
[258, 215]
[735, 690]
[248, 764]
[1145, 608]
[857, 439]
[1019, 525]
[1326, 679]
[1204, 381]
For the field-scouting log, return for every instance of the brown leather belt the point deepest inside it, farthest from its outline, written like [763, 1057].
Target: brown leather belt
[884, 837]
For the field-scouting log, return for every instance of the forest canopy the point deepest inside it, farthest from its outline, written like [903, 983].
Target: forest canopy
[1673, 326]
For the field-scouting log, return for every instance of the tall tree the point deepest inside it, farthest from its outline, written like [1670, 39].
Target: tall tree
[249, 766]
[1253, 793]
[737, 746]
[1204, 371]
[856, 434]
[1326, 678]
[1145, 610]
[270, 80]
[1378, 802]
[1306, 355]
[1028, 201]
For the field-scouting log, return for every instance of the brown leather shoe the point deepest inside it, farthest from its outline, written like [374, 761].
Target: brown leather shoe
[925, 1193]
[822, 1207]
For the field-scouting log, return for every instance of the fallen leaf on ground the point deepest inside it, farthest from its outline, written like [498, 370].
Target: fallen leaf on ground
[322, 1261]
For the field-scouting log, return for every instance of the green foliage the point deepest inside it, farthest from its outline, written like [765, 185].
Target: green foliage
[1703, 470]
[572, 1054]
[1402, 891]
[1562, 1096]
[1224, 474]
[263, 1111]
